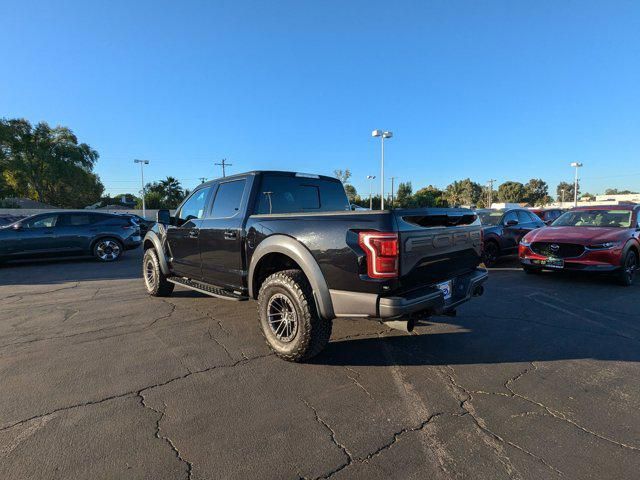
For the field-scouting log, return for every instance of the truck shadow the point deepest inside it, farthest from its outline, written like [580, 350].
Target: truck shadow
[484, 342]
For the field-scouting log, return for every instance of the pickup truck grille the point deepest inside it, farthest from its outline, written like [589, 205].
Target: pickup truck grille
[557, 250]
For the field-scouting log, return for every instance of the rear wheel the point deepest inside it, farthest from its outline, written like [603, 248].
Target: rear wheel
[490, 253]
[629, 268]
[107, 249]
[155, 281]
[288, 317]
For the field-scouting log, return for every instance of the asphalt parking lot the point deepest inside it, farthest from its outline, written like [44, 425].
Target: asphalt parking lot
[536, 379]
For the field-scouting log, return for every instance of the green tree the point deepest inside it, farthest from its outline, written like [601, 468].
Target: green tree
[48, 164]
[511, 192]
[168, 190]
[404, 195]
[351, 192]
[536, 192]
[343, 175]
[587, 197]
[568, 191]
[463, 192]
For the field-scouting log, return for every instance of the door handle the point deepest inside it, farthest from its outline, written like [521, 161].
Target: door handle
[230, 235]
[193, 233]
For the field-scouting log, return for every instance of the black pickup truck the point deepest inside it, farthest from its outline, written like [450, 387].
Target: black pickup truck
[292, 242]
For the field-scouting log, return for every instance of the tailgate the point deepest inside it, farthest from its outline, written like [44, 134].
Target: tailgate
[437, 244]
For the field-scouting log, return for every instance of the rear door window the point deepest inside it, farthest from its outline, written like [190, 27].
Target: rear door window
[228, 199]
[74, 219]
[523, 217]
[510, 216]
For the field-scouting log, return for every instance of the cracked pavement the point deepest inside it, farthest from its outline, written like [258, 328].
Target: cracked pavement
[537, 379]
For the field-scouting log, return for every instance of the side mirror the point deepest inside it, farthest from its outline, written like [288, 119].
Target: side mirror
[511, 223]
[163, 216]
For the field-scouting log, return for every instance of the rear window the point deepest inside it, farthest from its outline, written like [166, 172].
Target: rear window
[291, 194]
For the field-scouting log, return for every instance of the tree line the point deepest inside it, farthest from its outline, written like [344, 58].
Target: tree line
[467, 192]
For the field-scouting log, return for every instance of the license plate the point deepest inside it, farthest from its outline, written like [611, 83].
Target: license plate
[446, 288]
[552, 263]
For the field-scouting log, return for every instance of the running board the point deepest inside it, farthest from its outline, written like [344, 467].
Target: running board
[207, 289]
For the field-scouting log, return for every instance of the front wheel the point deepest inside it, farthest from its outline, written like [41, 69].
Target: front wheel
[629, 268]
[155, 281]
[107, 249]
[288, 317]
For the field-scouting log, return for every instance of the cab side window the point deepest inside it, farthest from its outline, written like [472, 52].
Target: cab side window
[195, 206]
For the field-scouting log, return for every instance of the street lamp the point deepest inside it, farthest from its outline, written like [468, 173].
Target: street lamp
[382, 135]
[371, 178]
[142, 163]
[577, 165]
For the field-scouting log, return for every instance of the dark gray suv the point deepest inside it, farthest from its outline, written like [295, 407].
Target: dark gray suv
[55, 234]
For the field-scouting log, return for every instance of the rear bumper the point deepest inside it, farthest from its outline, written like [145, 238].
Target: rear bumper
[429, 299]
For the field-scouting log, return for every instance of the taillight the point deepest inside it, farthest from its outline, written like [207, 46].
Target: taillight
[382, 253]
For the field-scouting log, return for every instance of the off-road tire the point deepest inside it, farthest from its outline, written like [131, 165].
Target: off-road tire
[98, 249]
[630, 261]
[313, 332]
[155, 281]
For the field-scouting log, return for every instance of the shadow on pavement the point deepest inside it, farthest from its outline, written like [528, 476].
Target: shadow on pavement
[53, 271]
[483, 341]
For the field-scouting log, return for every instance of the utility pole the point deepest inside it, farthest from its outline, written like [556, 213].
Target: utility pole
[490, 193]
[562, 201]
[392, 179]
[203, 179]
[224, 164]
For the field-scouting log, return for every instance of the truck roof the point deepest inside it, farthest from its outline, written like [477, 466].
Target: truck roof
[272, 172]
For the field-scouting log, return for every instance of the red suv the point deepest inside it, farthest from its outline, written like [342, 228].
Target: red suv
[593, 239]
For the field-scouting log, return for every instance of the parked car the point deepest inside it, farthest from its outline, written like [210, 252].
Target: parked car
[144, 224]
[589, 239]
[503, 229]
[290, 241]
[9, 219]
[547, 215]
[55, 234]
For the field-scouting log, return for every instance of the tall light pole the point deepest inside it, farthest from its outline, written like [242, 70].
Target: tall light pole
[562, 201]
[371, 178]
[142, 163]
[382, 135]
[577, 165]
[490, 199]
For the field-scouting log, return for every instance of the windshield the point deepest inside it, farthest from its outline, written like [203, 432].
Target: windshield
[490, 218]
[595, 218]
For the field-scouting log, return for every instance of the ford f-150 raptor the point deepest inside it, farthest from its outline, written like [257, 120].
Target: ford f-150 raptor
[292, 242]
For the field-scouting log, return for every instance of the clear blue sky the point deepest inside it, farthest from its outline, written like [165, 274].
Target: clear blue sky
[480, 89]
